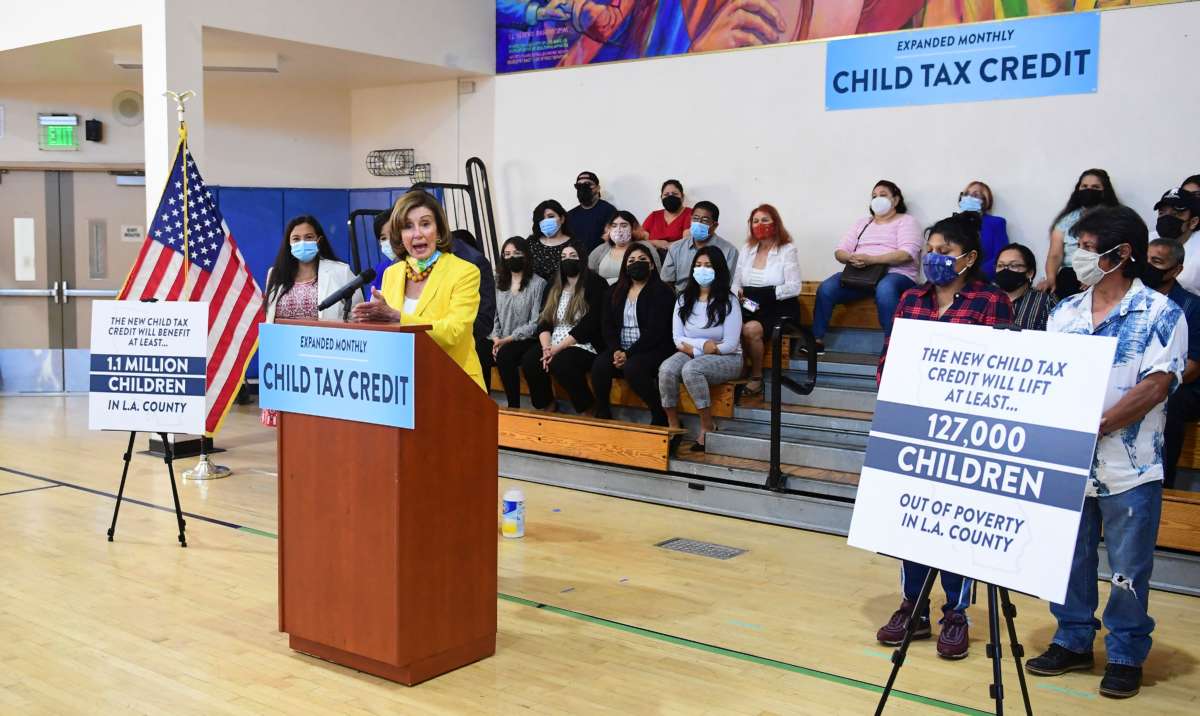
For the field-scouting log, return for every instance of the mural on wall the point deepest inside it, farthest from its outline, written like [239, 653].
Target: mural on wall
[537, 34]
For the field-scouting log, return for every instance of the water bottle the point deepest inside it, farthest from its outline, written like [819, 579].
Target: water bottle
[512, 524]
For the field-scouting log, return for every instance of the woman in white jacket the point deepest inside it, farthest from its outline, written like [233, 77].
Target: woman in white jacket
[306, 271]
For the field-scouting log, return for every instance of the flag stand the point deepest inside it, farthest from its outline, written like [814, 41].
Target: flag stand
[206, 469]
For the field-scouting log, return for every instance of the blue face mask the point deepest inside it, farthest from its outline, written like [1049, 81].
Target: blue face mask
[704, 275]
[699, 231]
[304, 251]
[549, 227]
[939, 268]
[386, 248]
[423, 264]
[971, 203]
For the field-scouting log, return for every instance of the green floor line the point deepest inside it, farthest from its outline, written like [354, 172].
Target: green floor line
[719, 650]
[743, 656]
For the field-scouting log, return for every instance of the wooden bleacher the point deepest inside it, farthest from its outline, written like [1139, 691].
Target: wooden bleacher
[615, 442]
[622, 395]
[859, 314]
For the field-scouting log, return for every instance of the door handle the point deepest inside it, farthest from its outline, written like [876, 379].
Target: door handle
[30, 292]
[55, 290]
[64, 293]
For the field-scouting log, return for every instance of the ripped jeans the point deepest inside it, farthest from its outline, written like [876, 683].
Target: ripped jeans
[1130, 524]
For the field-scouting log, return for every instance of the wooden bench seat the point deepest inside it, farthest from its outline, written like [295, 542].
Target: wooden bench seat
[610, 441]
[858, 314]
[1179, 526]
[623, 395]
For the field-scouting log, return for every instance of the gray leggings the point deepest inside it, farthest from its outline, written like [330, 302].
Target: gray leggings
[697, 375]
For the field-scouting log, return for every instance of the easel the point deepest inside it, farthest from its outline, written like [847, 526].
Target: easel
[168, 457]
[996, 690]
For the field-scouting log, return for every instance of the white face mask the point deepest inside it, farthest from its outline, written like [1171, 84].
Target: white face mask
[1087, 266]
[881, 205]
[620, 235]
[385, 247]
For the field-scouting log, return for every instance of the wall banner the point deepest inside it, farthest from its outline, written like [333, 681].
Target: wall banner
[987, 61]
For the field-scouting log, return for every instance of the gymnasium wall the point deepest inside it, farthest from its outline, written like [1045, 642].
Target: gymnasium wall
[744, 127]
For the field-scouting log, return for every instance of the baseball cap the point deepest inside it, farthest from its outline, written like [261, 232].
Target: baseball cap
[1180, 200]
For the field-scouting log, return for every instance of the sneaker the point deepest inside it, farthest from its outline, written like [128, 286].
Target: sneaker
[953, 642]
[1120, 681]
[892, 633]
[819, 349]
[1058, 660]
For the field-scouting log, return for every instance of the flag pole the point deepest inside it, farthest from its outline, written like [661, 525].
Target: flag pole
[204, 469]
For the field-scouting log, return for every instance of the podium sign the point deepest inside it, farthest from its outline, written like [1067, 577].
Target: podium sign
[980, 451]
[148, 366]
[361, 375]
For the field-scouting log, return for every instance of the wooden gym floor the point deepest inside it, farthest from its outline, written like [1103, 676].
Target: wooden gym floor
[593, 617]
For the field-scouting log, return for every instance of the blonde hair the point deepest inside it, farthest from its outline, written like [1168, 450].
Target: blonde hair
[416, 200]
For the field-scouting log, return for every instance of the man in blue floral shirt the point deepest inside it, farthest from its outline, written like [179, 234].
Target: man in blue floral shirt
[1124, 494]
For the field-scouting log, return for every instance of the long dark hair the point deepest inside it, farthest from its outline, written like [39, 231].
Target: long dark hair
[578, 306]
[720, 300]
[1108, 197]
[503, 275]
[962, 230]
[620, 289]
[539, 213]
[283, 272]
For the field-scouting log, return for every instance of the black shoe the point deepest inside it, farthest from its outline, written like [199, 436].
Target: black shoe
[696, 447]
[1058, 660]
[1120, 681]
[673, 443]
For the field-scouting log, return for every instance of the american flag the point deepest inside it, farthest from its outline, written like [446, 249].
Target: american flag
[217, 274]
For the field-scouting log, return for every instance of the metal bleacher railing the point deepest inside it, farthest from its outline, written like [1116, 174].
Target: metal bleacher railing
[776, 481]
[468, 206]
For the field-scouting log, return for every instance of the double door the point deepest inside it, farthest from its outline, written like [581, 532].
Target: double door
[66, 239]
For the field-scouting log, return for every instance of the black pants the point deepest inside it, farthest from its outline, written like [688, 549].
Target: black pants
[1183, 407]
[570, 368]
[641, 372]
[508, 363]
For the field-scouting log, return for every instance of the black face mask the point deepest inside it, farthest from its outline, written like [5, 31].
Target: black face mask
[1009, 280]
[1153, 276]
[571, 267]
[638, 270]
[1089, 197]
[672, 203]
[515, 264]
[1169, 227]
[583, 192]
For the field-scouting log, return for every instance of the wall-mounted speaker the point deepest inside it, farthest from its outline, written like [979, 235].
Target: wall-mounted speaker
[93, 130]
[127, 108]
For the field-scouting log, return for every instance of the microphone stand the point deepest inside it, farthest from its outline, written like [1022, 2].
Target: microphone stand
[346, 309]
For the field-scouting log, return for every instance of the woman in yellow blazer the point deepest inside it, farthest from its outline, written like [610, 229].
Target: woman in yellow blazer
[428, 284]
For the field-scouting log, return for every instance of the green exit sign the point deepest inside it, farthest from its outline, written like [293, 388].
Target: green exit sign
[58, 132]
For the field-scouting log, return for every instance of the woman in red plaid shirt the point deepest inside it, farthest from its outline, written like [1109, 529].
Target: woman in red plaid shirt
[956, 292]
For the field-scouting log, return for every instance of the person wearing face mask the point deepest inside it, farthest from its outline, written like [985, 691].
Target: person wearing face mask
[305, 272]
[519, 296]
[706, 328]
[1092, 189]
[550, 236]
[1165, 261]
[668, 224]
[585, 223]
[676, 269]
[888, 236]
[977, 198]
[955, 292]
[636, 322]
[767, 282]
[428, 285]
[1014, 273]
[608, 258]
[1124, 491]
[1178, 219]
[569, 335]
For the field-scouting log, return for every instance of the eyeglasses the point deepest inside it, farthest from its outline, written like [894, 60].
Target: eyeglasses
[1016, 266]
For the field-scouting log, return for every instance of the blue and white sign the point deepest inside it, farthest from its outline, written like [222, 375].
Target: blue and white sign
[966, 63]
[980, 451]
[148, 366]
[360, 375]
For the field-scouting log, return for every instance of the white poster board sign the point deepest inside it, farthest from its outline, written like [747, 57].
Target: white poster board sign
[980, 451]
[148, 366]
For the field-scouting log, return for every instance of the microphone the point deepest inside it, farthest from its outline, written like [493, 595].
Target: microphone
[367, 276]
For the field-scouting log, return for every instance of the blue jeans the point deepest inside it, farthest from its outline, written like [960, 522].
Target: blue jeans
[1130, 523]
[887, 297]
[958, 587]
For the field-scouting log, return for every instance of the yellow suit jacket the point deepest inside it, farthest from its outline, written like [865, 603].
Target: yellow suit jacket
[449, 303]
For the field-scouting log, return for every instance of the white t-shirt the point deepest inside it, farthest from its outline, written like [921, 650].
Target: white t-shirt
[1189, 278]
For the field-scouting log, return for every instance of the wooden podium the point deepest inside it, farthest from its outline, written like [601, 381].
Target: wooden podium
[387, 537]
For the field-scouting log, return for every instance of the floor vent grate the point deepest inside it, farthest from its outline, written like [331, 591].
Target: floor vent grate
[704, 549]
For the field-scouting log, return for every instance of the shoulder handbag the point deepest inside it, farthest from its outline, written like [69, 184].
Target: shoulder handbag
[865, 278]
